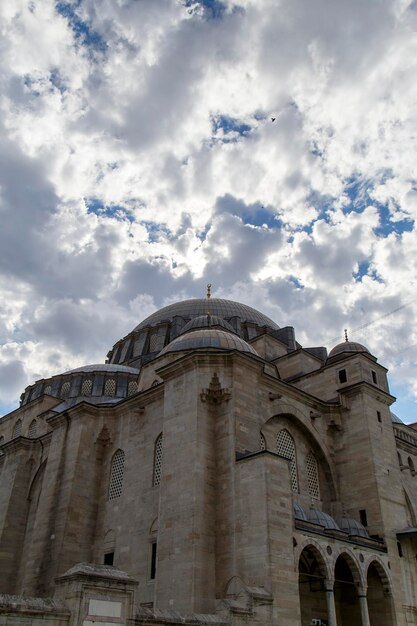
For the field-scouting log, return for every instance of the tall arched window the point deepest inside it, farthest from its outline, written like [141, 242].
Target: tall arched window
[312, 476]
[157, 461]
[286, 447]
[32, 429]
[116, 474]
[17, 430]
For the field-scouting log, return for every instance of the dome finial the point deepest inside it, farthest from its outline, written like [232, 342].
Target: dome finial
[208, 298]
[346, 335]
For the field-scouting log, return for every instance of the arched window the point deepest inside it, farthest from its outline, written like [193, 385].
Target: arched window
[17, 429]
[116, 474]
[47, 390]
[32, 429]
[286, 447]
[132, 387]
[157, 461]
[65, 389]
[153, 343]
[110, 387]
[262, 444]
[86, 387]
[400, 461]
[312, 476]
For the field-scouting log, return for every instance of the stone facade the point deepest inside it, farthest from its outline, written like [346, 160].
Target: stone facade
[211, 473]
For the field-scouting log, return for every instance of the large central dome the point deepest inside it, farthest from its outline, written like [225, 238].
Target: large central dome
[227, 309]
[158, 330]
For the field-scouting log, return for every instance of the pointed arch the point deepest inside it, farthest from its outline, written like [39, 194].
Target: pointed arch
[286, 447]
[33, 427]
[116, 475]
[410, 510]
[17, 429]
[294, 420]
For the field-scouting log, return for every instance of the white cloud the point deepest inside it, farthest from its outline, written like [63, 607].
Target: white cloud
[115, 105]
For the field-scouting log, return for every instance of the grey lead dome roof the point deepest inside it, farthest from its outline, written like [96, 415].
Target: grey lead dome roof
[188, 309]
[103, 367]
[347, 346]
[208, 338]
[207, 321]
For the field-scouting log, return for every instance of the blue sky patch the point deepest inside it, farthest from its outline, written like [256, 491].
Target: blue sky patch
[94, 205]
[359, 192]
[230, 126]
[213, 9]
[81, 29]
[294, 281]
[155, 230]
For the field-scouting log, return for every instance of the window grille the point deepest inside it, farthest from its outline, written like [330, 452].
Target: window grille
[286, 447]
[48, 389]
[87, 387]
[65, 389]
[116, 475]
[17, 430]
[132, 387]
[262, 444]
[157, 463]
[153, 341]
[312, 476]
[110, 387]
[33, 427]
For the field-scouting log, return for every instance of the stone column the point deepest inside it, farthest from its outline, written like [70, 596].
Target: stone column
[363, 603]
[331, 607]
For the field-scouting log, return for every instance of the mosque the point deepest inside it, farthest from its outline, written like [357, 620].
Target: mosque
[212, 471]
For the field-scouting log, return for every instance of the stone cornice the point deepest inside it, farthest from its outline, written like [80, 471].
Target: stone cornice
[379, 394]
[204, 357]
[19, 443]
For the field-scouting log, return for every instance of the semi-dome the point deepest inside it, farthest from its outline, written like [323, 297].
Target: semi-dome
[208, 338]
[352, 527]
[207, 321]
[322, 519]
[97, 383]
[227, 309]
[348, 347]
[299, 512]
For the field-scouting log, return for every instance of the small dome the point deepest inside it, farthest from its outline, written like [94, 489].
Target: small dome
[321, 519]
[349, 347]
[207, 321]
[208, 338]
[299, 512]
[352, 527]
[395, 419]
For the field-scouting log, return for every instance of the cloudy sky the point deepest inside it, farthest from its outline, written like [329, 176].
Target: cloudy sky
[148, 147]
